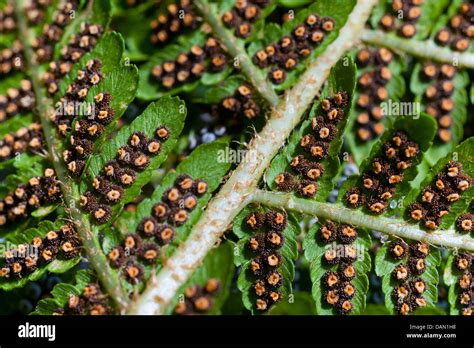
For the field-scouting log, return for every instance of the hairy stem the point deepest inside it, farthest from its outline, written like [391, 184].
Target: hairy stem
[44, 108]
[357, 218]
[237, 191]
[422, 49]
[237, 51]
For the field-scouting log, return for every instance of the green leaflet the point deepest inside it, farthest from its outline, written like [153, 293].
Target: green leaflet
[11, 81]
[169, 112]
[151, 90]
[301, 304]
[109, 50]
[431, 10]
[395, 88]
[42, 212]
[463, 153]
[314, 250]
[443, 21]
[421, 130]
[341, 78]
[257, 27]
[122, 84]
[458, 115]
[339, 10]
[385, 264]
[203, 163]
[218, 264]
[135, 25]
[26, 236]
[61, 293]
[215, 94]
[23, 168]
[11, 182]
[243, 257]
[450, 277]
[375, 309]
[21, 161]
[96, 12]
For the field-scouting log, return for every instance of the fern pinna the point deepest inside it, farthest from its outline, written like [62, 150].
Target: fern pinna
[312, 158]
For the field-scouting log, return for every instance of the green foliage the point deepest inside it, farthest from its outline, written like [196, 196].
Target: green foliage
[203, 164]
[421, 130]
[169, 112]
[418, 86]
[218, 265]
[61, 293]
[385, 264]
[58, 265]
[191, 112]
[243, 257]
[314, 251]
[396, 90]
[339, 10]
[341, 79]
[463, 153]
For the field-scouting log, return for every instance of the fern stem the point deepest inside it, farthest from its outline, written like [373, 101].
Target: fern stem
[237, 191]
[237, 50]
[44, 108]
[357, 218]
[422, 49]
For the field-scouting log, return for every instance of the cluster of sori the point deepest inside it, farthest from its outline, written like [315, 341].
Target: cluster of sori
[285, 55]
[465, 222]
[43, 44]
[92, 301]
[460, 31]
[79, 45]
[241, 103]
[465, 285]
[26, 258]
[177, 202]
[408, 294]
[35, 10]
[339, 290]
[372, 87]
[408, 12]
[177, 17]
[17, 100]
[436, 199]
[39, 191]
[173, 211]
[88, 130]
[73, 105]
[438, 96]
[317, 145]
[26, 139]
[120, 172]
[242, 15]
[198, 299]
[378, 185]
[11, 59]
[266, 246]
[191, 65]
[7, 19]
